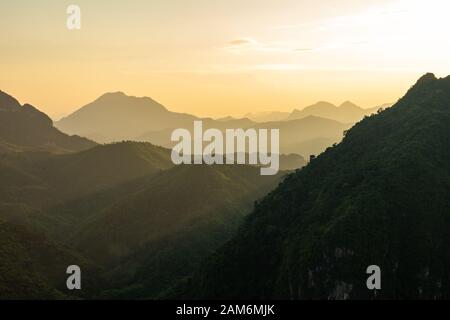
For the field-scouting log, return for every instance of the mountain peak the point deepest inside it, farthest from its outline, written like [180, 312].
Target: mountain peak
[314, 224]
[323, 104]
[428, 84]
[113, 94]
[7, 101]
[348, 104]
[25, 128]
[36, 114]
[116, 116]
[427, 78]
[122, 98]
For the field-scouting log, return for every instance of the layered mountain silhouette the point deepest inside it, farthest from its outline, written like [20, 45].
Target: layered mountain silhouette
[307, 136]
[117, 210]
[268, 116]
[347, 112]
[26, 128]
[115, 117]
[291, 161]
[381, 197]
[140, 227]
[33, 267]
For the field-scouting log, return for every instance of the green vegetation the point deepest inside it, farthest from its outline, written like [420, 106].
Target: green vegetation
[141, 228]
[34, 267]
[135, 224]
[382, 197]
[155, 233]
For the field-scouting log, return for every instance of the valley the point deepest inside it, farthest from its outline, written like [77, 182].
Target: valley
[141, 227]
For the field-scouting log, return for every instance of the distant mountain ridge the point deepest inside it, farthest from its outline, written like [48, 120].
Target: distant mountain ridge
[307, 136]
[115, 116]
[267, 116]
[26, 128]
[347, 112]
[32, 266]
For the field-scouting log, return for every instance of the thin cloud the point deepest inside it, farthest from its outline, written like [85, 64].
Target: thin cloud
[242, 42]
[243, 45]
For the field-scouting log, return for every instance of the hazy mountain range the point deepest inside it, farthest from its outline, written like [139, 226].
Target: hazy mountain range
[109, 209]
[308, 136]
[267, 116]
[347, 112]
[116, 117]
[381, 197]
[26, 128]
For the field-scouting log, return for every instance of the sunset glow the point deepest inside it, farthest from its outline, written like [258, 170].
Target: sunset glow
[215, 58]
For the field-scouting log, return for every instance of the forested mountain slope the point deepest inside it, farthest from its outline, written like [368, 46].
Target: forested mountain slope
[381, 197]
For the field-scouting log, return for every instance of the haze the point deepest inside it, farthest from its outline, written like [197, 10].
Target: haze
[217, 58]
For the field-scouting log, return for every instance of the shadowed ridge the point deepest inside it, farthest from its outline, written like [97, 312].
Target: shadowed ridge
[8, 102]
[379, 197]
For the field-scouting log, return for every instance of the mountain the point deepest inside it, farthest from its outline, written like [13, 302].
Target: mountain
[34, 181]
[114, 204]
[105, 166]
[268, 116]
[154, 231]
[162, 137]
[347, 112]
[296, 135]
[380, 197]
[24, 128]
[306, 136]
[121, 206]
[224, 119]
[115, 116]
[34, 267]
[291, 161]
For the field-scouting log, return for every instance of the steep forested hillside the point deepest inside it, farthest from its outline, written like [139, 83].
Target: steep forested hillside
[381, 197]
[34, 267]
[24, 128]
[154, 231]
[115, 117]
[347, 112]
[34, 181]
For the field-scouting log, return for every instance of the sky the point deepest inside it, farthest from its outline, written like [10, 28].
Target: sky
[221, 57]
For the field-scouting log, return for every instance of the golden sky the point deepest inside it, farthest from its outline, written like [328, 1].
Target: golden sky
[221, 57]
